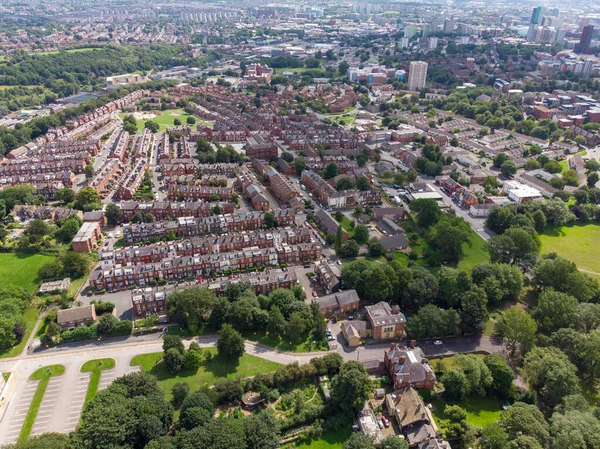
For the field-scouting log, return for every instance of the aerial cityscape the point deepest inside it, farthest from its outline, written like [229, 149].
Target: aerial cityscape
[299, 224]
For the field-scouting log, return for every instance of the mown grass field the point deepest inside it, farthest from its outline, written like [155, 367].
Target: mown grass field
[474, 253]
[22, 269]
[578, 243]
[207, 374]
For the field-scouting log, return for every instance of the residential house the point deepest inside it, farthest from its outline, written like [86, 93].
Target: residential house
[408, 367]
[329, 224]
[383, 322]
[87, 237]
[340, 304]
[414, 419]
[328, 276]
[76, 316]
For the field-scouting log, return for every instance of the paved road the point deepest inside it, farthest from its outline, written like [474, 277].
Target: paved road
[68, 390]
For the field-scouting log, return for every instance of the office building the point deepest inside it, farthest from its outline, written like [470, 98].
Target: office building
[585, 41]
[448, 26]
[417, 75]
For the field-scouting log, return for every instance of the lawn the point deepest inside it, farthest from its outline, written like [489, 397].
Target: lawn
[585, 238]
[329, 440]
[95, 367]
[43, 375]
[473, 253]
[480, 411]
[298, 70]
[207, 374]
[166, 118]
[70, 50]
[22, 269]
[346, 225]
[282, 345]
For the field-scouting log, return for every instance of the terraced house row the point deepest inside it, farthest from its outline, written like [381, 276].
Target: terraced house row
[191, 227]
[162, 210]
[186, 267]
[151, 301]
[213, 244]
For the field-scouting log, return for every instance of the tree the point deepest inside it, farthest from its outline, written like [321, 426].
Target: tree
[198, 399]
[262, 430]
[575, 429]
[362, 184]
[89, 171]
[231, 343]
[501, 373]
[473, 313]
[455, 384]
[428, 211]
[508, 169]
[377, 285]
[517, 329]
[351, 388]
[87, 199]
[192, 359]
[106, 324]
[331, 170]
[549, 371]
[295, 328]
[152, 126]
[176, 122]
[358, 441]
[190, 120]
[64, 195]
[500, 159]
[343, 67]
[75, 264]
[448, 236]
[501, 218]
[376, 248]
[394, 442]
[179, 392]
[563, 276]
[190, 307]
[113, 214]
[593, 179]
[554, 311]
[361, 233]
[270, 221]
[228, 390]
[67, 231]
[277, 324]
[37, 230]
[514, 246]
[457, 427]
[431, 321]
[173, 360]
[194, 417]
[299, 165]
[524, 419]
[493, 437]
[349, 249]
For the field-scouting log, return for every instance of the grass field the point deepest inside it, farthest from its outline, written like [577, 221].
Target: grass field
[585, 238]
[298, 70]
[448, 362]
[43, 375]
[166, 118]
[22, 269]
[95, 367]
[305, 346]
[480, 411]
[207, 374]
[474, 253]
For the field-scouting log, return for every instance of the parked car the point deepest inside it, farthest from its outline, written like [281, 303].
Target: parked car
[339, 262]
[380, 423]
[330, 338]
[437, 343]
[314, 294]
[386, 422]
